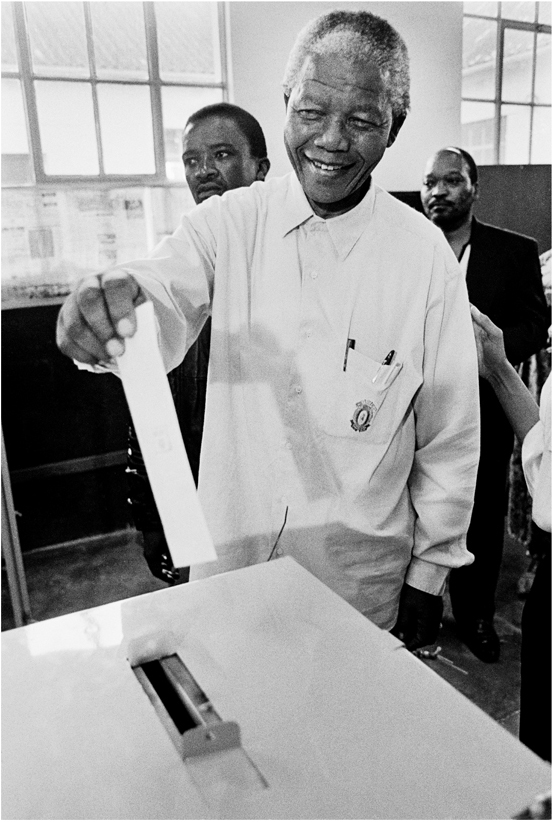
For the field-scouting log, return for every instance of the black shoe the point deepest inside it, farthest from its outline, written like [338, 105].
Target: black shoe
[481, 639]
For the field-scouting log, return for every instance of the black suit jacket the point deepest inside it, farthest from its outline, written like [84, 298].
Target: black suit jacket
[504, 282]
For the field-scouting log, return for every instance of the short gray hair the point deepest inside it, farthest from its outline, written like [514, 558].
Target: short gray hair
[358, 35]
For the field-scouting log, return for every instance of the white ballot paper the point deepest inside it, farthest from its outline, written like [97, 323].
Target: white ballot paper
[155, 419]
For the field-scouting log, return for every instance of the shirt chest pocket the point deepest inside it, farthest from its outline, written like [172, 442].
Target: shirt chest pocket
[365, 400]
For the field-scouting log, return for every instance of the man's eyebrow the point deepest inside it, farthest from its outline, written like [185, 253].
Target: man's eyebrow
[309, 96]
[212, 146]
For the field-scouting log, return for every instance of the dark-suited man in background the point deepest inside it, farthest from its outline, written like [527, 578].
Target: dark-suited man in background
[504, 282]
[223, 148]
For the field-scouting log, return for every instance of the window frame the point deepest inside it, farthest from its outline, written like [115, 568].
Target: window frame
[27, 78]
[502, 25]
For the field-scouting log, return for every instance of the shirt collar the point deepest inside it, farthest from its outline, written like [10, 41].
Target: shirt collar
[296, 207]
[344, 230]
[464, 259]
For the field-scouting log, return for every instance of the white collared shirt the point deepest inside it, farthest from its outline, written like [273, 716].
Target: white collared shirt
[536, 459]
[464, 260]
[286, 431]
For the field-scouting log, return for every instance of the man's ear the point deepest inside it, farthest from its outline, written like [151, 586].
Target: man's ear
[263, 168]
[397, 124]
[475, 191]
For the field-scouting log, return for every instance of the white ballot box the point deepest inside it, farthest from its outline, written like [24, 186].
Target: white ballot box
[256, 694]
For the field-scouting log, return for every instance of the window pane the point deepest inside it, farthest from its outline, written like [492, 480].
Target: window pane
[483, 8]
[9, 53]
[517, 75]
[16, 161]
[478, 131]
[66, 125]
[514, 134]
[545, 13]
[126, 128]
[188, 43]
[524, 10]
[178, 103]
[119, 40]
[479, 58]
[58, 41]
[543, 72]
[542, 136]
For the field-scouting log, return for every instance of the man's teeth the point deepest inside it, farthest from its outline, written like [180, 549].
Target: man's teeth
[325, 166]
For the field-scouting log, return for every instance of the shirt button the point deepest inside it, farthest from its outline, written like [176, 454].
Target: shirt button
[308, 332]
[314, 275]
[298, 389]
[278, 552]
[288, 445]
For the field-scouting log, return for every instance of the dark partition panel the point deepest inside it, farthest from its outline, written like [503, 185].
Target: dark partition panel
[65, 435]
[518, 198]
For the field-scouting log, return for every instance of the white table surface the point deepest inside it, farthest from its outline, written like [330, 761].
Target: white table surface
[340, 719]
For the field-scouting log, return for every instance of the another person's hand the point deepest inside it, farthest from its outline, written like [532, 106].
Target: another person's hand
[419, 618]
[540, 808]
[156, 553]
[490, 344]
[546, 274]
[95, 319]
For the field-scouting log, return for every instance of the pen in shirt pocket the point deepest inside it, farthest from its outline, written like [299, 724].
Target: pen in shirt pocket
[383, 369]
[349, 344]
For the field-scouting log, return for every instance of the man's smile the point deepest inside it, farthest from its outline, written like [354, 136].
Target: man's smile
[328, 168]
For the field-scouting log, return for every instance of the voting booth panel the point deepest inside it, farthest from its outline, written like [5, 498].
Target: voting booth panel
[336, 720]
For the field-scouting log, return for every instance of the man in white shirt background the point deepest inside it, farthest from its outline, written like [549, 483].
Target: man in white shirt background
[341, 421]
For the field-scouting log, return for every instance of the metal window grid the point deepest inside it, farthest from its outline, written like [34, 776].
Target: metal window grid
[504, 24]
[27, 77]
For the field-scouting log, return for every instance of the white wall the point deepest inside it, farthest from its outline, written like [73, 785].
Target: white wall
[262, 34]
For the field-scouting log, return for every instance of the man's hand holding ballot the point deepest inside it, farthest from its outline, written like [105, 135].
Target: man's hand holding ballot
[97, 317]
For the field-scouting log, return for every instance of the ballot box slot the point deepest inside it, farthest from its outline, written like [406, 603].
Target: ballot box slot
[170, 698]
[178, 698]
[210, 747]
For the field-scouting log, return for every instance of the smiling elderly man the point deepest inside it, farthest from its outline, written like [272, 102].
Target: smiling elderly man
[341, 422]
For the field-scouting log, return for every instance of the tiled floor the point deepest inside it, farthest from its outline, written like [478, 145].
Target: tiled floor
[111, 568]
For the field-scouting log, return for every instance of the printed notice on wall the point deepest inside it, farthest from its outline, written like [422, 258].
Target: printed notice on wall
[51, 239]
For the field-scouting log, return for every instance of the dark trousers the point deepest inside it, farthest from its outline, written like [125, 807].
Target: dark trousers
[472, 588]
[536, 658]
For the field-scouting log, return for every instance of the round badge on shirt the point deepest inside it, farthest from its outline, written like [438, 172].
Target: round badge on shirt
[363, 415]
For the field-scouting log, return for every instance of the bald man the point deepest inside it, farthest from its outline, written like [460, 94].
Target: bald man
[503, 279]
